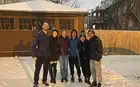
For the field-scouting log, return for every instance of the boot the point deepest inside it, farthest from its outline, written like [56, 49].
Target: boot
[94, 83]
[54, 80]
[35, 85]
[99, 84]
[51, 75]
[85, 80]
[72, 78]
[88, 81]
[80, 80]
[62, 80]
[66, 79]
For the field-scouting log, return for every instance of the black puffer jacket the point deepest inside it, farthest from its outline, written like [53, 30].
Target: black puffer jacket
[54, 48]
[83, 49]
[95, 48]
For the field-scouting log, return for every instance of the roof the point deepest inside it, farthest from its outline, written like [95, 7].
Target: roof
[40, 6]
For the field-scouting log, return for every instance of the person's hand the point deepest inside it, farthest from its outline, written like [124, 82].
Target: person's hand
[69, 49]
[35, 58]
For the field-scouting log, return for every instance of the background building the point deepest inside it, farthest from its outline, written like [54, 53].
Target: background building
[116, 15]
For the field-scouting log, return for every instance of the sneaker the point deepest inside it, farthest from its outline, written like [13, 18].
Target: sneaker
[94, 83]
[62, 80]
[99, 84]
[45, 83]
[72, 79]
[66, 79]
[35, 85]
[80, 80]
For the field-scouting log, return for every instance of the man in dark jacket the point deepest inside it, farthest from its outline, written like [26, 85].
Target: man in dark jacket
[95, 55]
[41, 54]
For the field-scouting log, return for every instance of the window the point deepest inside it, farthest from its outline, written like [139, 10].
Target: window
[6, 23]
[94, 14]
[119, 11]
[93, 26]
[66, 24]
[125, 9]
[85, 25]
[99, 14]
[123, 25]
[50, 21]
[130, 24]
[27, 23]
[132, 4]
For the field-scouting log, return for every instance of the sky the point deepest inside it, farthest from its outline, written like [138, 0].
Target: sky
[89, 4]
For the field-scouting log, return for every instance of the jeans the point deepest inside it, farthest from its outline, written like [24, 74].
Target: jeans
[64, 59]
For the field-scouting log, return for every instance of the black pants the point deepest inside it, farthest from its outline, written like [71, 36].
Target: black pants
[39, 62]
[85, 64]
[74, 61]
[53, 70]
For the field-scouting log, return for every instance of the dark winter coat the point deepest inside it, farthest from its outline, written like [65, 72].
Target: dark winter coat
[83, 49]
[40, 45]
[95, 48]
[64, 44]
[54, 48]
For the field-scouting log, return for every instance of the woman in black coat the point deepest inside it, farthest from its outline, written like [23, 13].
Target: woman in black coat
[55, 52]
[84, 59]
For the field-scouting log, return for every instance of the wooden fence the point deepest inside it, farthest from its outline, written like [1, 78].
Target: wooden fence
[114, 42]
[120, 42]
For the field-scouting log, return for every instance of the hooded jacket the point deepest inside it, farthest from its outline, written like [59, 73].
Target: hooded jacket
[95, 48]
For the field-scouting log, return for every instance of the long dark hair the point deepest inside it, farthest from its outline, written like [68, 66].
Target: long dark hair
[54, 31]
[75, 32]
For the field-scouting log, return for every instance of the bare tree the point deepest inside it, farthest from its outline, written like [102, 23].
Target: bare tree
[71, 3]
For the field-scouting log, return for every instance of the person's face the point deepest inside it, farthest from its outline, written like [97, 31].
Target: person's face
[73, 34]
[45, 26]
[64, 34]
[82, 39]
[90, 34]
[54, 34]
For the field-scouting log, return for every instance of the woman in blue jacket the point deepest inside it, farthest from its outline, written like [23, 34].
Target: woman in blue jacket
[73, 59]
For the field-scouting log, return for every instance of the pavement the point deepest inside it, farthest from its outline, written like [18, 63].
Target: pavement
[118, 71]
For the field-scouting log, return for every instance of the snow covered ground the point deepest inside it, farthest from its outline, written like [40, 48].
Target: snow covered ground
[118, 71]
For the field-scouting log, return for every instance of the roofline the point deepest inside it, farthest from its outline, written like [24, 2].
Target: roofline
[55, 12]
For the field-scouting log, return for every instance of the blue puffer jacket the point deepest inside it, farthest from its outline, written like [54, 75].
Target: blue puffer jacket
[73, 46]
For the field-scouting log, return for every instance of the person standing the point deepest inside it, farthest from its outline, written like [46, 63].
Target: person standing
[73, 59]
[82, 46]
[95, 55]
[55, 52]
[64, 56]
[41, 54]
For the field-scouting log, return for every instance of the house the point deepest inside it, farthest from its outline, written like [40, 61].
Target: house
[19, 22]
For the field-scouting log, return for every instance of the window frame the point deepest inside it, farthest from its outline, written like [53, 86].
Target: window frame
[67, 26]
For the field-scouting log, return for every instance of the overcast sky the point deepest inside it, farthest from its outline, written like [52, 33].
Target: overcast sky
[88, 4]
